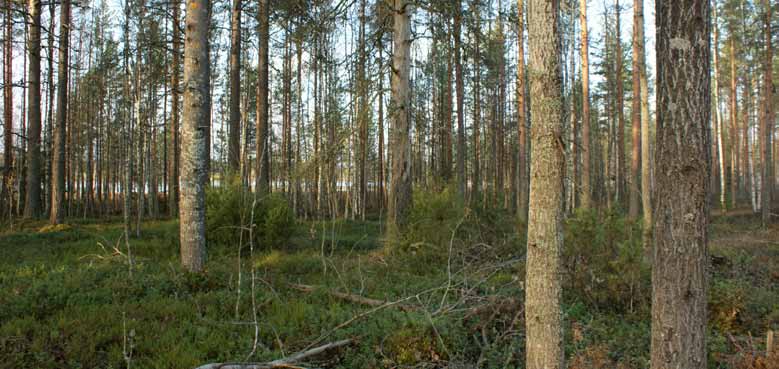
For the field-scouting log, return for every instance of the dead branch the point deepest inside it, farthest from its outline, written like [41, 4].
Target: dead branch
[357, 299]
[287, 362]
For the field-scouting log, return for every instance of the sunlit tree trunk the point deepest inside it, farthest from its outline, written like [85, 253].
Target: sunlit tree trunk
[543, 294]
[195, 122]
[718, 112]
[586, 180]
[400, 184]
[522, 161]
[679, 272]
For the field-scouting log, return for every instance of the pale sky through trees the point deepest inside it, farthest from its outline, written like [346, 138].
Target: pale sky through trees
[420, 47]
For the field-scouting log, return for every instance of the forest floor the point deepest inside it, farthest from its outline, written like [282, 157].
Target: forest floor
[67, 300]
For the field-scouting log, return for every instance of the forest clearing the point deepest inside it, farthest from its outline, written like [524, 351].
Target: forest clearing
[69, 301]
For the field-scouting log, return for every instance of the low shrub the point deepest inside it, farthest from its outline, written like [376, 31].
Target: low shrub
[604, 259]
[230, 210]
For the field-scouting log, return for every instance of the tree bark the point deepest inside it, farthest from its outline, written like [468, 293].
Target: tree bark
[58, 170]
[195, 123]
[522, 161]
[460, 100]
[586, 179]
[543, 295]
[621, 170]
[646, 170]
[476, 191]
[262, 185]
[32, 207]
[175, 151]
[635, 192]
[679, 277]
[234, 146]
[400, 184]
[5, 193]
[767, 121]
[718, 112]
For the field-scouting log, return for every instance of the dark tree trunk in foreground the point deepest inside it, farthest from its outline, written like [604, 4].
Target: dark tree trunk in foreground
[400, 183]
[32, 207]
[679, 277]
[543, 314]
[58, 169]
[8, 112]
[194, 130]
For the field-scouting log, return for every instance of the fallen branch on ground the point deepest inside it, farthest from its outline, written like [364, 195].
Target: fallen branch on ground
[287, 362]
[357, 299]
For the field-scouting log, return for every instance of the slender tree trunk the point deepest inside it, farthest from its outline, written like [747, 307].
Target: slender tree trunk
[586, 180]
[476, 195]
[679, 277]
[522, 162]
[767, 121]
[646, 170]
[718, 112]
[49, 110]
[58, 170]
[234, 147]
[363, 117]
[460, 100]
[195, 122]
[6, 199]
[543, 294]
[380, 128]
[400, 186]
[262, 185]
[174, 152]
[733, 139]
[635, 192]
[32, 206]
[621, 171]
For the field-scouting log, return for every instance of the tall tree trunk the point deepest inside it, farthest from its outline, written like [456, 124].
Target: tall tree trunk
[476, 191]
[635, 193]
[363, 117]
[234, 147]
[139, 45]
[175, 151]
[5, 193]
[58, 170]
[195, 122]
[646, 170]
[718, 112]
[32, 207]
[767, 121]
[522, 162]
[400, 185]
[49, 109]
[586, 180]
[733, 139]
[543, 295]
[262, 185]
[460, 100]
[621, 171]
[679, 277]
[380, 129]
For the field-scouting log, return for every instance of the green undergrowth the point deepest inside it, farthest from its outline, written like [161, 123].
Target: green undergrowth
[67, 298]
